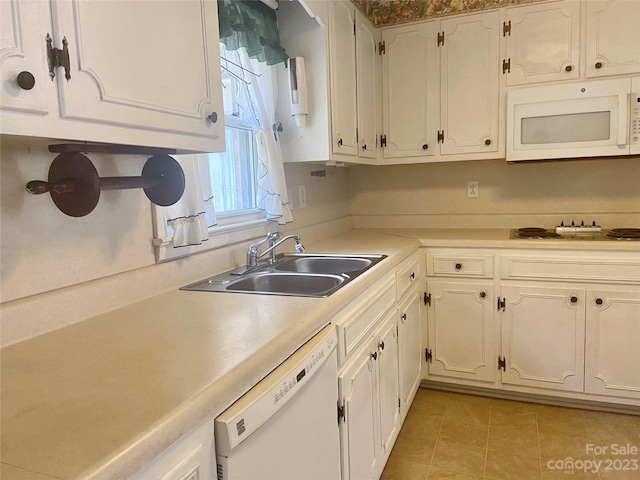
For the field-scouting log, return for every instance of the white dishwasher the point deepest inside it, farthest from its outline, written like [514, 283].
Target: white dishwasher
[286, 427]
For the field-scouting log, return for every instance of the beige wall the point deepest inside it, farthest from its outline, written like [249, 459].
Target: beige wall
[56, 270]
[435, 195]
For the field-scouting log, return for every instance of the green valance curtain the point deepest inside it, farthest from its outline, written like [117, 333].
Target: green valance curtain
[252, 25]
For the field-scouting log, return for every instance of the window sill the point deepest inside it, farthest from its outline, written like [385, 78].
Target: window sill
[220, 236]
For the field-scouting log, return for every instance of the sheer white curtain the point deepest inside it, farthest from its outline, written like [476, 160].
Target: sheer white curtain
[263, 91]
[194, 213]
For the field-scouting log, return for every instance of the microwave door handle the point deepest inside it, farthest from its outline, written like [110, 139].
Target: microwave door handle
[623, 106]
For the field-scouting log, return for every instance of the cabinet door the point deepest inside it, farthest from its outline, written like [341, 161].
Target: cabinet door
[342, 41]
[544, 42]
[613, 37]
[410, 92]
[153, 65]
[613, 344]
[410, 339]
[359, 434]
[543, 337]
[368, 86]
[469, 84]
[24, 26]
[461, 331]
[387, 362]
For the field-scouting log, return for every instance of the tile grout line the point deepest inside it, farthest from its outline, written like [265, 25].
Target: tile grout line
[486, 450]
[435, 447]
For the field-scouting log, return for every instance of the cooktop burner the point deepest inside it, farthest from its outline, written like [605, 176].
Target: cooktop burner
[536, 232]
[624, 233]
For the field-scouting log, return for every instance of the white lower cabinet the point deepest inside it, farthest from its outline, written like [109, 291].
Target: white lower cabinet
[562, 323]
[613, 343]
[368, 388]
[461, 330]
[410, 340]
[190, 458]
[543, 337]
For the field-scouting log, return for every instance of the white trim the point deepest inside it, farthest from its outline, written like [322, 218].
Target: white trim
[232, 227]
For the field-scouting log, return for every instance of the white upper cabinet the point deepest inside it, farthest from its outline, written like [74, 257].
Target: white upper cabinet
[23, 61]
[543, 43]
[368, 86]
[612, 37]
[409, 85]
[342, 41]
[142, 73]
[469, 85]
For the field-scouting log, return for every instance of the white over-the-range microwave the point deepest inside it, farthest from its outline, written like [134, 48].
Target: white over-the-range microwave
[584, 119]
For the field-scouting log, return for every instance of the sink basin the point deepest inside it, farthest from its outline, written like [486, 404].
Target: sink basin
[301, 275]
[288, 284]
[332, 265]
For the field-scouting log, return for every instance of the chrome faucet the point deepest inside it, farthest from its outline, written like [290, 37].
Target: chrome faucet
[252, 252]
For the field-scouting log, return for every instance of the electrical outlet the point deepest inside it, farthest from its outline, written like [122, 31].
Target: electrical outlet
[302, 194]
[472, 189]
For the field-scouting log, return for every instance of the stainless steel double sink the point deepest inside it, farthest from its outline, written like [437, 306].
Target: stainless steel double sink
[300, 274]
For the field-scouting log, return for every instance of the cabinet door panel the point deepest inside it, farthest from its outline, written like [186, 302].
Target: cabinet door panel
[613, 344]
[544, 44]
[543, 337]
[126, 70]
[410, 336]
[469, 84]
[613, 37]
[461, 331]
[343, 78]
[368, 84]
[388, 383]
[358, 388]
[23, 49]
[410, 96]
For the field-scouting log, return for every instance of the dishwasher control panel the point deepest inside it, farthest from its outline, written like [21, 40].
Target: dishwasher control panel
[273, 392]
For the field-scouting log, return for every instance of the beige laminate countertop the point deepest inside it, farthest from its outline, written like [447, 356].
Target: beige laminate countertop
[101, 398]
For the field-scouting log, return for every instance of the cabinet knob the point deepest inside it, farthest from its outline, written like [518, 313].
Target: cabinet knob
[340, 142]
[568, 68]
[374, 355]
[487, 142]
[403, 317]
[425, 146]
[364, 146]
[483, 294]
[413, 275]
[574, 299]
[599, 301]
[598, 65]
[458, 266]
[213, 117]
[26, 80]
[381, 345]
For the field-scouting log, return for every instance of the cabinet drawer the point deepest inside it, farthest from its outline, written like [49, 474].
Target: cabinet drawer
[408, 274]
[452, 265]
[603, 270]
[355, 323]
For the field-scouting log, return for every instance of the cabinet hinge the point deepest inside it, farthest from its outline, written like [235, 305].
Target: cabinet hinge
[356, 134]
[58, 58]
[506, 28]
[382, 48]
[440, 38]
[502, 363]
[502, 304]
[354, 27]
[428, 356]
[427, 299]
[506, 66]
[341, 413]
[383, 141]
[398, 403]
[440, 136]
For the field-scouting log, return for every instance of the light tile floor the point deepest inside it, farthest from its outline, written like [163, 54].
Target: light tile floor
[467, 437]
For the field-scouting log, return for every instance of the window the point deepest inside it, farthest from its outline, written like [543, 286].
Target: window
[233, 179]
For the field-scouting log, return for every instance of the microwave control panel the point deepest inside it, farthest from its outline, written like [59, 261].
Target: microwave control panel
[635, 119]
